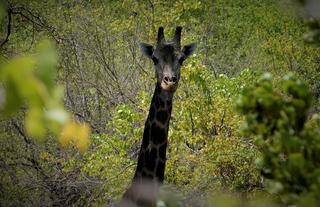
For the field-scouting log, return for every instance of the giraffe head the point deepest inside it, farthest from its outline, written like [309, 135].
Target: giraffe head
[168, 57]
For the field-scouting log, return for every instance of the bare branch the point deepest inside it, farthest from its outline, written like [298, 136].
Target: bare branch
[9, 11]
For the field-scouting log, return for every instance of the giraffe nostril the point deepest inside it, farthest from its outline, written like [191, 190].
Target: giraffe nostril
[170, 80]
[174, 79]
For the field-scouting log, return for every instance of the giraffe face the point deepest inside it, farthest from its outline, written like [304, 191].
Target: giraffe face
[167, 66]
[168, 58]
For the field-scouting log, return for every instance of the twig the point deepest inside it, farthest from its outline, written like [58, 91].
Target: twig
[9, 11]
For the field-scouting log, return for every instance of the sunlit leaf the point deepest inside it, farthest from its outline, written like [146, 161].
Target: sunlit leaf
[68, 133]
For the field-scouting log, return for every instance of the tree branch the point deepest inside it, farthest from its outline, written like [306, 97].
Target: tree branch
[21, 132]
[9, 11]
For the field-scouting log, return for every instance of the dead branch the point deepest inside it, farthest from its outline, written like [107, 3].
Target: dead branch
[9, 12]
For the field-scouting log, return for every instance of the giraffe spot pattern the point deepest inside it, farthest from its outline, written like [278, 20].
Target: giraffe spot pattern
[162, 116]
[158, 135]
[150, 159]
[162, 151]
[157, 102]
[145, 140]
[162, 103]
[160, 171]
[140, 162]
[169, 106]
[151, 113]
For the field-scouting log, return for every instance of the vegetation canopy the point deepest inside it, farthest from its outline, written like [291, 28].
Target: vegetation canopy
[75, 92]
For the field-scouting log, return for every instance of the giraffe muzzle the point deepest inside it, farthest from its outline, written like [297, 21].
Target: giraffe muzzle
[169, 83]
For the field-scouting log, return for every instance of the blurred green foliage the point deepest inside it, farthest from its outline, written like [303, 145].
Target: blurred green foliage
[310, 10]
[30, 82]
[288, 140]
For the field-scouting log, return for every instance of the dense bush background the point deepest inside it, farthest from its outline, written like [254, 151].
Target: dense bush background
[108, 84]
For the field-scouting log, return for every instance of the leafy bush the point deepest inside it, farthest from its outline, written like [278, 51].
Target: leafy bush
[109, 85]
[203, 139]
[289, 142]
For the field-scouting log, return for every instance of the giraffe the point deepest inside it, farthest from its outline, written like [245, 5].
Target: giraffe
[167, 57]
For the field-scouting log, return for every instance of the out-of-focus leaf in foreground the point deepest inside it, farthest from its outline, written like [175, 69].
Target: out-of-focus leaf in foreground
[29, 82]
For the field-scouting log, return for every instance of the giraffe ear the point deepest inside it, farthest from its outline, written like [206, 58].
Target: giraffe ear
[188, 50]
[146, 49]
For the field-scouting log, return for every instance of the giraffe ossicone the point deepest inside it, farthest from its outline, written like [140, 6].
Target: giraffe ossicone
[167, 57]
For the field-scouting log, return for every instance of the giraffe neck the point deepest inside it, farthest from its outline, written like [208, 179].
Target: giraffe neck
[152, 155]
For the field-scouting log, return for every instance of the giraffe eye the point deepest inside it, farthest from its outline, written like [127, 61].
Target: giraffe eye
[155, 60]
